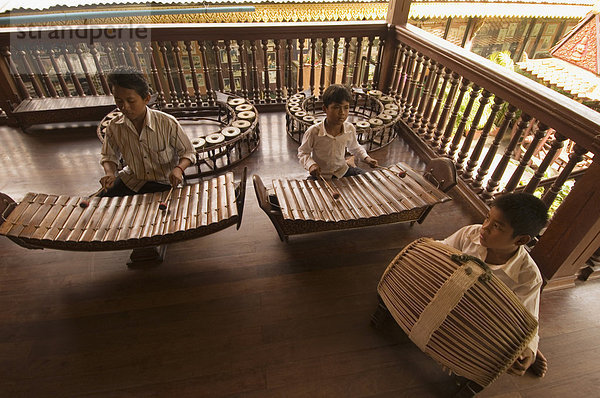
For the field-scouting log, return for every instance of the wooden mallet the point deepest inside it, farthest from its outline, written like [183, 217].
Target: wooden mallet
[164, 205]
[86, 202]
[401, 173]
[334, 192]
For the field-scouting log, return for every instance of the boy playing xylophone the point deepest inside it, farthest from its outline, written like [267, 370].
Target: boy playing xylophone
[152, 143]
[512, 221]
[324, 144]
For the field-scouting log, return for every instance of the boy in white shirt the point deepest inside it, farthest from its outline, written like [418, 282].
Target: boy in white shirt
[513, 220]
[324, 144]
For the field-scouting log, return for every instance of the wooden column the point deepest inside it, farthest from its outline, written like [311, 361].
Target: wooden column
[573, 234]
[398, 12]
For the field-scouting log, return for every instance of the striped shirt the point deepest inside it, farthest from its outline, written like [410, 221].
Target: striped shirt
[329, 152]
[150, 155]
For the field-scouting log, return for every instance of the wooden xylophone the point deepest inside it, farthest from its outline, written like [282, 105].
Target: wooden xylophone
[116, 223]
[376, 197]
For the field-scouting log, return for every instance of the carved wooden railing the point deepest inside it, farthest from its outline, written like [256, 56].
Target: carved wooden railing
[453, 101]
[188, 64]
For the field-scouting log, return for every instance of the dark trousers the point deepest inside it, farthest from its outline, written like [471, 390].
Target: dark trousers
[120, 189]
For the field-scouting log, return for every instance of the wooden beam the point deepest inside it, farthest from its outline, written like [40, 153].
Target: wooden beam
[574, 233]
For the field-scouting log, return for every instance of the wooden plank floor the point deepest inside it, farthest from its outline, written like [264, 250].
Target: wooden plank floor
[236, 313]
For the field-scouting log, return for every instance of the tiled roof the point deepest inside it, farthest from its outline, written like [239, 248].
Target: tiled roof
[558, 73]
[559, 8]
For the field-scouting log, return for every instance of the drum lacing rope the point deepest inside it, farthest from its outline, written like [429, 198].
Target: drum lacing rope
[463, 258]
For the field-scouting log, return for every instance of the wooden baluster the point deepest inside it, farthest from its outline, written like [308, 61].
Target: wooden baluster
[267, 90]
[232, 87]
[184, 94]
[218, 67]
[540, 132]
[172, 91]
[150, 53]
[323, 65]
[23, 92]
[197, 94]
[476, 152]
[255, 76]
[447, 125]
[357, 58]
[31, 75]
[313, 55]
[428, 135]
[429, 92]
[575, 157]
[418, 96]
[496, 177]
[378, 60]
[133, 54]
[407, 76]
[95, 55]
[398, 58]
[557, 143]
[289, 87]
[72, 74]
[109, 55]
[409, 109]
[334, 60]
[243, 63]
[207, 81]
[466, 146]
[121, 54]
[407, 65]
[50, 89]
[59, 75]
[493, 149]
[368, 62]
[278, 70]
[475, 90]
[300, 65]
[347, 42]
[86, 72]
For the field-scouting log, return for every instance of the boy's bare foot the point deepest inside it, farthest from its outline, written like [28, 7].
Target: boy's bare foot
[539, 367]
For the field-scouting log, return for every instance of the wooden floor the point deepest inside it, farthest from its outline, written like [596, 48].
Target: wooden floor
[236, 313]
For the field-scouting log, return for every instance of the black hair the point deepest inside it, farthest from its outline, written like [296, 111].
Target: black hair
[525, 213]
[126, 77]
[336, 93]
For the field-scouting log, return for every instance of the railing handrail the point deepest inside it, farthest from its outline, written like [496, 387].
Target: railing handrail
[221, 31]
[570, 118]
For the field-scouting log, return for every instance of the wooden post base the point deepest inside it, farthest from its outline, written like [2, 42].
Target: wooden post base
[146, 257]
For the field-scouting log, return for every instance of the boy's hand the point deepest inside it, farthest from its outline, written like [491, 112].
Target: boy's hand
[523, 362]
[371, 162]
[176, 176]
[107, 181]
[314, 170]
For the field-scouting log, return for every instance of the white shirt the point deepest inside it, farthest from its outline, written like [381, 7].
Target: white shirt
[329, 152]
[519, 273]
[150, 155]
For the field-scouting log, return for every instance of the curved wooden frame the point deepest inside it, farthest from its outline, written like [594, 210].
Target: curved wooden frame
[211, 159]
[7, 206]
[373, 132]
